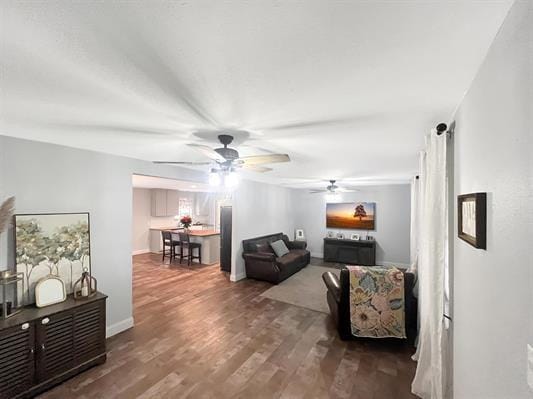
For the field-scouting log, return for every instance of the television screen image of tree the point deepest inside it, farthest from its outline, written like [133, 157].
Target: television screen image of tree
[359, 211]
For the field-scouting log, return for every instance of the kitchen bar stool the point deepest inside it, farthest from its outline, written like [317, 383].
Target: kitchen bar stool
[185, 242]
[169, 242]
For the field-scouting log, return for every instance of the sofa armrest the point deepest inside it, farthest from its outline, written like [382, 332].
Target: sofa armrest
[297, 245]
[259, 256]
[333, 284]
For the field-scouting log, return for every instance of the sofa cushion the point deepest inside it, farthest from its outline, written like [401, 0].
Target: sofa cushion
[279, 248]
[290, 260]
[264, 247]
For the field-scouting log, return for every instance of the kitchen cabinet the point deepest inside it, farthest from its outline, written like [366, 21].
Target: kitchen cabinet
[165, 202]
[172, 202]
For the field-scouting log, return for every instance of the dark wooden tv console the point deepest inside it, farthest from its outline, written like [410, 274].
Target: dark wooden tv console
[42, 347]
[354, 252]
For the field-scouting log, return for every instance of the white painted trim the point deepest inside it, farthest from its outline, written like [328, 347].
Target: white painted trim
[119, 327]
[141, 251]
[237, 277]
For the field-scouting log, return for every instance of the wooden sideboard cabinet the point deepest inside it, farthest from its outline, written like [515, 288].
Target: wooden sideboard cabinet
[354, 252]
[40, 348]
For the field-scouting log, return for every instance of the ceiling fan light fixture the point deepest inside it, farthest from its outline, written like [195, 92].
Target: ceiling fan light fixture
[231, 179]
[214, 179]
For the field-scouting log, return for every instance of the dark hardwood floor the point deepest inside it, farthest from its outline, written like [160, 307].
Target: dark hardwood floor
[197, 335]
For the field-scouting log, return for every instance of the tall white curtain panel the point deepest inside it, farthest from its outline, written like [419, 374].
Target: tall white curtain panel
[432, 262]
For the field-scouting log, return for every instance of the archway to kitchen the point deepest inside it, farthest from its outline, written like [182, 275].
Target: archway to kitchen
[159, 206]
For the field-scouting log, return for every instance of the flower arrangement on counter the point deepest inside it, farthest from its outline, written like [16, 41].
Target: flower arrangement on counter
[186, 221]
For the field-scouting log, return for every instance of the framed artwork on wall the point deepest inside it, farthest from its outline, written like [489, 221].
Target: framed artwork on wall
[55, 244]
[472, 219]
[351, 215]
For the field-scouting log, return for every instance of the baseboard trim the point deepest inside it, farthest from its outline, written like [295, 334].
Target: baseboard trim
[141, 251]
[238, 277]
[116, 328]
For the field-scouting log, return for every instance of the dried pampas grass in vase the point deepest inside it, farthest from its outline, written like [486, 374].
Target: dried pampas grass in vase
[6, 212]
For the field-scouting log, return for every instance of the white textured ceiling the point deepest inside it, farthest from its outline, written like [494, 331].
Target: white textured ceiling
[348, 89]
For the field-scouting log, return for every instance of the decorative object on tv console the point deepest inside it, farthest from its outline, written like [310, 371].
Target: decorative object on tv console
[340, 236]
[11, 284]
[472, 219]
[331, 234]
[355, 237]
[86, 287]
[299, 235]
[49, 290]
[57, 244]
[351, 215]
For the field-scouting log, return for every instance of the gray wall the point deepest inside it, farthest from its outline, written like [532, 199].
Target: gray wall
[52, 178]
[393, 216]
[492, 288]
[142, 210]
[258, 209]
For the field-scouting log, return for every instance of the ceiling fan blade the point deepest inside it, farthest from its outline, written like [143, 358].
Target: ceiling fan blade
[318, 191]
[181, 163]
[256, 168]
[208, 152]
[261, 159]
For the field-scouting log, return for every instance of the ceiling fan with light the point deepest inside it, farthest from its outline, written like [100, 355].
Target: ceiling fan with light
[226, 161]
[332, 188]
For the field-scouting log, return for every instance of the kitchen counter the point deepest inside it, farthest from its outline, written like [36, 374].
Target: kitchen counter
[210, 240]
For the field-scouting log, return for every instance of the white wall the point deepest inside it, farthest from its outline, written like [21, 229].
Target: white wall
[392, 228]
[142, 209]
[492, 288]
[258, 209]
[52, 178]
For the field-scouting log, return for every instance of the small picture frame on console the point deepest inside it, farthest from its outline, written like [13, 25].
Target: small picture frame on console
[355, 237]
[370, 238]
[331, 234]
[340, 236]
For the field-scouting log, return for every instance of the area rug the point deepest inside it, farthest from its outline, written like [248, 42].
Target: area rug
[305, 288]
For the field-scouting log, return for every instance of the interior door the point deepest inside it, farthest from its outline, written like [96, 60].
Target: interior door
[225, 238]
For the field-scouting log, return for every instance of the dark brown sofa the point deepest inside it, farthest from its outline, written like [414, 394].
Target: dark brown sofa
[262, 264]
[338, 297]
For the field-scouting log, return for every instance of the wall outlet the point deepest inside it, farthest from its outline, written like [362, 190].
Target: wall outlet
[530, 366]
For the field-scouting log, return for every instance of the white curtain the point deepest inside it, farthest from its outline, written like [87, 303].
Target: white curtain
[432, 261]
[415, 187]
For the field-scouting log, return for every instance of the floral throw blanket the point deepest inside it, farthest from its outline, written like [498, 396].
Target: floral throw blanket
[377, 302]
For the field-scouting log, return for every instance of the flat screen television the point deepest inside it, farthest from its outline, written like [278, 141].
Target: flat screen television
[351, 215]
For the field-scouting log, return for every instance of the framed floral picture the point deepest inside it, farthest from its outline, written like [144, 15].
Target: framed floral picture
[51, 244]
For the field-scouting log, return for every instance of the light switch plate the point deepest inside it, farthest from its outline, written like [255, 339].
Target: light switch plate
[530, 366]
